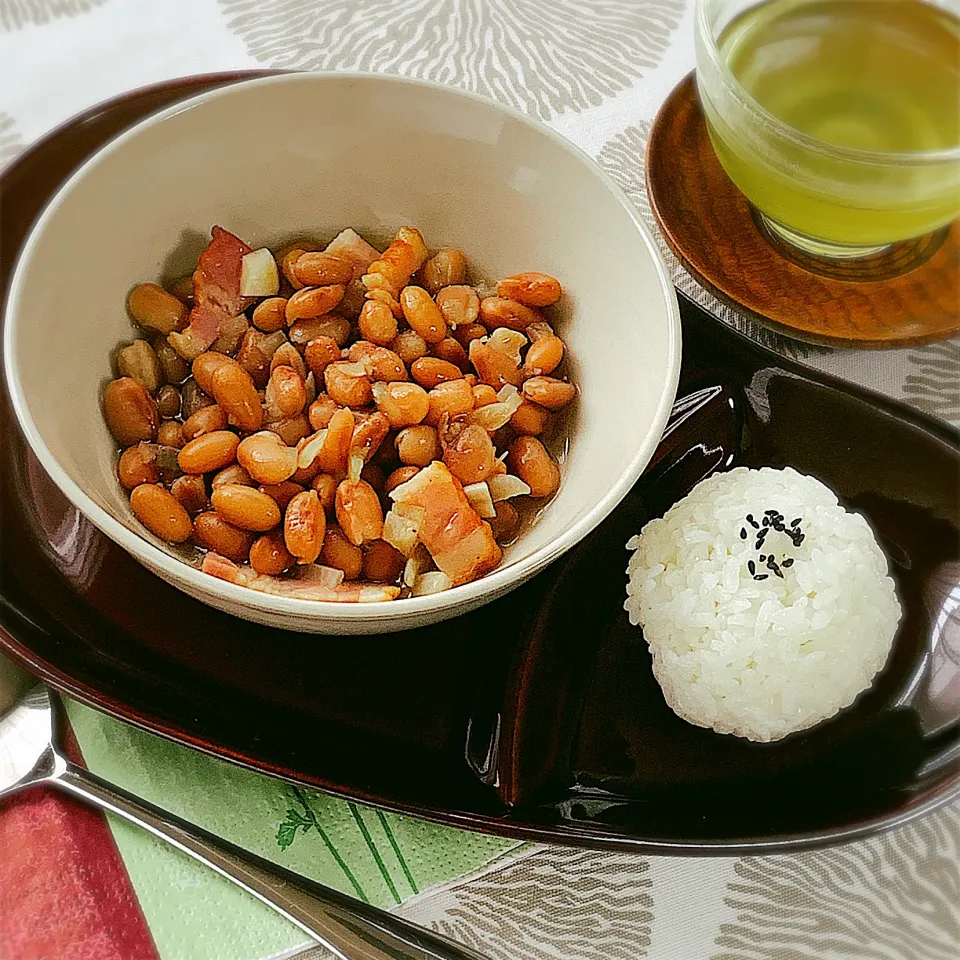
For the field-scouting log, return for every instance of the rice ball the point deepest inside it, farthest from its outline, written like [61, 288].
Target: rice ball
[767, 606]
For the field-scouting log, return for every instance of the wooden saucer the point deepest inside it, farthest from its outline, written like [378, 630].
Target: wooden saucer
[710, 226]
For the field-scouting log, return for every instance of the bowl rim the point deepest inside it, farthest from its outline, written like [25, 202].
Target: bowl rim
[177, 571]
[747, 101]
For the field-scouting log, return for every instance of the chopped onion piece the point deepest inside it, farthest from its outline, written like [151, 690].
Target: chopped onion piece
[419, 563]
[503, 486]
[310, 387]
[329, 577]
[379, 391]
[507, 392]
[401, 528]
[479, 496]
[355, 468]
[507, 341]
[308, 449]
[258, 274]
[433, 582]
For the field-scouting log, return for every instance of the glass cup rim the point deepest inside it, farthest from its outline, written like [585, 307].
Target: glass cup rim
[798, 137]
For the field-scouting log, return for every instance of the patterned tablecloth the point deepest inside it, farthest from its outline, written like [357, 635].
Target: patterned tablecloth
[73, 886]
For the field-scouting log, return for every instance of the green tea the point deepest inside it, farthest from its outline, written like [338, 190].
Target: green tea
[874, 76]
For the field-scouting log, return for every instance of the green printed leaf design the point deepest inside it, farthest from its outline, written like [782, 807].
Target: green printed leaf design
[287, 831]
[10, 142]
[933, 379]
[624, 158]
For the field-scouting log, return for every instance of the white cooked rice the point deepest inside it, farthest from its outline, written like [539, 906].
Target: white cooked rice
[761, 658]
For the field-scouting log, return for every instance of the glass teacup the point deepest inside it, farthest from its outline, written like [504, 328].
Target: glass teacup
[838, 119]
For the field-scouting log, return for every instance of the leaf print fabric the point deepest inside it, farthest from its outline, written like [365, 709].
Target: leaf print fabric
[543, 57]
[16, 14]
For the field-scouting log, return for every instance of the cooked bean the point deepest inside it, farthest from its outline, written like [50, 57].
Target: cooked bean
[131, 413]
[287, 261]
[423, 314]
[483, 395]
[311, 302]
[270, 315]
[291, 430]
[136, 466]
[212, 451]
[168, 401]
[245, 507]
[347, 384]
[232, 474]
[183, 289]
[286, 393]
[322, 269]
[384, 365]
[160, 512]
[471, 456]
[417, 446]
[155, 309]
[191, 492]
[266, 458]
[494, 367]
[400, 475]
[410, 346]
[455, 397]
[305, 475]
[530, 419]
[170, 434]
[173, 367]
[287, 355]
[468, 332]
[359, 513]
[213, 532]
[450, 350]
[532, 289]
[319, 353]
[282, 493]
[354, 297]
[377, 323]
[192, 399]
[304, 526]
[321, 411]
[334, 456]
[206, 365]
[326, 486]
[232, 331]
[404, 404]
[138, 360]
[459, 305]
[368, 434]
[252, 358]
[205, 420]
[549, 392]
[234, 390]
[430, 372]
[374, 475]
[382, 563]
[446, 267]
[330, 325]
[544, 355]
[501, 312]
[529, 460]
[506, 524]
[269, 555]
[340, 553]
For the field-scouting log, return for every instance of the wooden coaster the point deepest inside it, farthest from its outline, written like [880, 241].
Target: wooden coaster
[710, 226]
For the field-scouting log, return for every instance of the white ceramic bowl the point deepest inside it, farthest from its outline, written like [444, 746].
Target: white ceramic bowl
[273, 158]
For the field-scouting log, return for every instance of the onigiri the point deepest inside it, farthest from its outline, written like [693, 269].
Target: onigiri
[767, 606]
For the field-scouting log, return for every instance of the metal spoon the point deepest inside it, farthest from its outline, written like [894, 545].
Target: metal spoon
[30, 756]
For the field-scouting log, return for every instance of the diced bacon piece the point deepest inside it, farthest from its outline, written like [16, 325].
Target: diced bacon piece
[349, 592]
[351, 246]
[460, 542]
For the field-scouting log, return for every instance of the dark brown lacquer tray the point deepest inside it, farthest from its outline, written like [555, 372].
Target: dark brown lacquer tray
[538, 715]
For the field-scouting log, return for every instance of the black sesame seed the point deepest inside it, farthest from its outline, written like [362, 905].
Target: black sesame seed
[769, 513]
[743, 533]
[794, 523]
[762, 558]
[752, 567]
[766, 521]
[788, 562]
[750, 520]
[761, 576]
